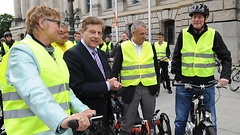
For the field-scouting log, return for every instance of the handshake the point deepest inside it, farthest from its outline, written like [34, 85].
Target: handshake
[114, 84]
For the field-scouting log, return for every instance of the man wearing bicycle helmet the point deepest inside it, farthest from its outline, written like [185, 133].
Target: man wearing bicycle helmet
[193, 61]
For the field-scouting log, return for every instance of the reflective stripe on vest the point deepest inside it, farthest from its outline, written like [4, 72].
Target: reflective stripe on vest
[198, 58]
[161, 50]
[137, 69]
[16, 112]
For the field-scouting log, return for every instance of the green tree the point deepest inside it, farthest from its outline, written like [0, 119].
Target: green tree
[5, 23]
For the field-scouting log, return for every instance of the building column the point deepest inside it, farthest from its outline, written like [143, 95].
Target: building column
[17, 9]
[34, 3]
[23, 8]
[96, 8]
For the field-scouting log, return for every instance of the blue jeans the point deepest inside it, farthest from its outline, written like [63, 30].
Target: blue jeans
[183, 103]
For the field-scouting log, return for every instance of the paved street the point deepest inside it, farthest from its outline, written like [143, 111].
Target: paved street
[228, 109]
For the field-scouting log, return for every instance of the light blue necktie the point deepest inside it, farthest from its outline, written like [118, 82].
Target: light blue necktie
[98, 61]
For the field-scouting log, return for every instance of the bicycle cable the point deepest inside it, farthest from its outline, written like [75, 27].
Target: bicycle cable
[216, 99]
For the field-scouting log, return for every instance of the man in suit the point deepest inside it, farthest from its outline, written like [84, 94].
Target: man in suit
[136, 63]
[89, 70]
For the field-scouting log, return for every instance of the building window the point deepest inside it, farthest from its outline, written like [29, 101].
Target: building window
[109, 4]
[129, 31]
[87, 6]
[107, 31]
[136, 1]
[169, 31]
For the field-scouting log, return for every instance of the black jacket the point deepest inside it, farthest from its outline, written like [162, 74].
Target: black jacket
[114, 50]
[87, 81]
[220, 50]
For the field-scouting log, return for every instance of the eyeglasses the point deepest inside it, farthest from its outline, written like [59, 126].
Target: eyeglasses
[56, 21]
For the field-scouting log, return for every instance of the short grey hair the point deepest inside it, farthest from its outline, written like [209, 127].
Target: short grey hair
[136, 24]
[63, 24]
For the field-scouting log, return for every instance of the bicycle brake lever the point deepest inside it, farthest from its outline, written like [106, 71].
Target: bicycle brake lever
[219, 86]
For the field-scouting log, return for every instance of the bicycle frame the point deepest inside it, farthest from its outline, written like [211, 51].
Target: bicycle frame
[199, 117]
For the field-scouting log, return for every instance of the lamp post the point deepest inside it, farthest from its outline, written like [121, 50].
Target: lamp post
[71, 19]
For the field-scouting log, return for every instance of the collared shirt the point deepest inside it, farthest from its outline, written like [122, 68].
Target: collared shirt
[138, 48]
[90, 50]
[160, 43]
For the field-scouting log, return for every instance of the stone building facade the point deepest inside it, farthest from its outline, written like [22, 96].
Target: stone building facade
[168, 16]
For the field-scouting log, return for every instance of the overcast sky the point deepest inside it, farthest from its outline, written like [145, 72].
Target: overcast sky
[6, 6]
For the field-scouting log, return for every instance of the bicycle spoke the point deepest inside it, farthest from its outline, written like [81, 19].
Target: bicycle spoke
[235, 79]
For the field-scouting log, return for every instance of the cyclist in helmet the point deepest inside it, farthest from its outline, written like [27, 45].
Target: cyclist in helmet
[193, 61]
[8, 39]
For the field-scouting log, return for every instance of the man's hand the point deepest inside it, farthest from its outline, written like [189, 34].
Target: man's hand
[223, 82]
[164, 58]
[114, 84]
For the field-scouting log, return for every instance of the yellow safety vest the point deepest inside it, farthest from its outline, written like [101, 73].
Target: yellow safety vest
[64, 47]
[6, 48]
[109, 47]
[18, 118]
[104, 47]
[137, 69]
[161, 50]
[198, 58]
[75, 43]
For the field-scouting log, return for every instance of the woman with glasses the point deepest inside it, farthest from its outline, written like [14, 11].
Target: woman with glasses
[34, 80]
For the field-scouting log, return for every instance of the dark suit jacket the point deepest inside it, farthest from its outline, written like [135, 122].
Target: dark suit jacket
[86, 79]
[127, 93]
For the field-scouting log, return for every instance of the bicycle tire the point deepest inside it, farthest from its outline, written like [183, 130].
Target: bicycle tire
[205, 131]
[111, 131]
[234, 85]
[219, 69]
[164, 127]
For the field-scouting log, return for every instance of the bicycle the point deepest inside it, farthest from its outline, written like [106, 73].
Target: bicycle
[141, 126]
[199, 120]
[235, 78]
[218, 65]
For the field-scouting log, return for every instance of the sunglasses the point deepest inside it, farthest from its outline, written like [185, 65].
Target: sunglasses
[56, 21]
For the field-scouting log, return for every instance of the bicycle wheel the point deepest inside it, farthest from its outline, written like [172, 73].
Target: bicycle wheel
[111, 131]
[234, 85]
[164, 127]
[205, 131]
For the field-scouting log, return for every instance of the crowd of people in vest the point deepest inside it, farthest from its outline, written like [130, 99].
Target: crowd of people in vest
[47, 80]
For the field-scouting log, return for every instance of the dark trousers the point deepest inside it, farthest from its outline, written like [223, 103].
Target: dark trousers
[164, 73]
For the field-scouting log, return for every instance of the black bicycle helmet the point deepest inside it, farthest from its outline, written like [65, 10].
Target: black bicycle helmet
[199, 8]
[7, 33]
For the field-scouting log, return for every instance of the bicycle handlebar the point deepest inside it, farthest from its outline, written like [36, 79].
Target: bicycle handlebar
[189, 85]
[74, 123]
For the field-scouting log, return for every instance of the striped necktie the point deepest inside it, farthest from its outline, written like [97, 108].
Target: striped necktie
[98, 61]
